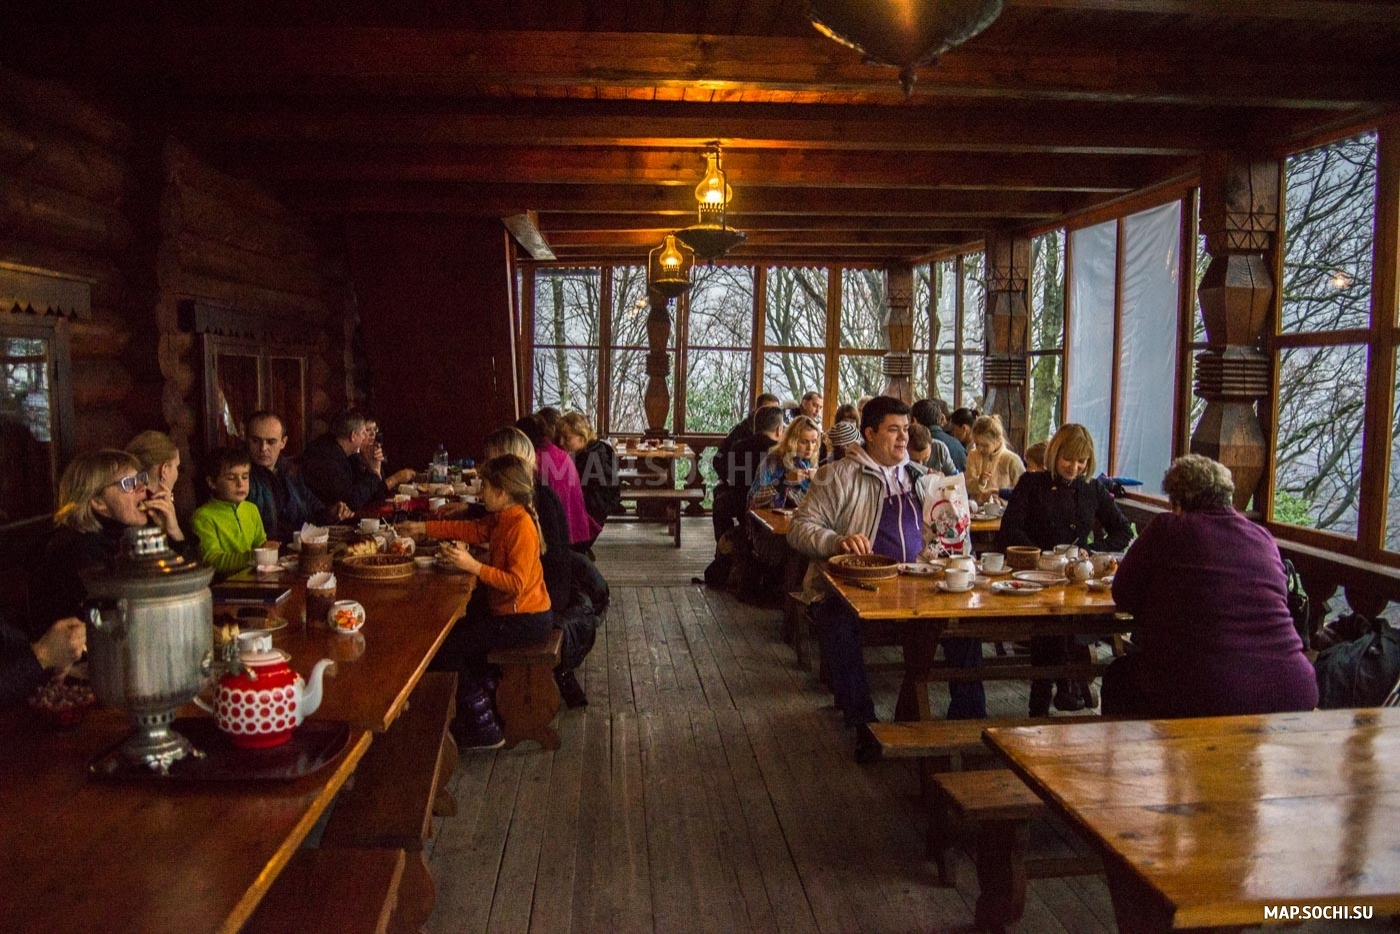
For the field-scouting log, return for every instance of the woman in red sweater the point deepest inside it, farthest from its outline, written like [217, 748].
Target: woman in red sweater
[518, 608]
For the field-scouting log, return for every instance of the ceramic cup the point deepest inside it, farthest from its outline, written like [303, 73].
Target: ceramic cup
[957, 578]
[993, 561]
[437, 502]
[369, 526]
[1069, 551]
[963, 563]
[266, 554]
[319, 601]
[1103, 563]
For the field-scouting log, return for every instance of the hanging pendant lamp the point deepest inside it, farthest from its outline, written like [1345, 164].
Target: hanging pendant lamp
[905, 34]
[711, 237]
[668, 268]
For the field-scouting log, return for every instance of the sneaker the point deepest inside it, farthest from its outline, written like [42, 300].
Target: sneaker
[478, 734]
[1068, 697]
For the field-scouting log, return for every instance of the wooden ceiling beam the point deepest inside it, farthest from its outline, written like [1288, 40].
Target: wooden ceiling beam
[938, 126]
[1368, 12]
[555, 223]
[673, 201]
[684, 167]
[813, 254]
[646, 237]
[337, 60]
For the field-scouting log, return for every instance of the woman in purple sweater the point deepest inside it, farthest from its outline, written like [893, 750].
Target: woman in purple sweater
[1209, 599]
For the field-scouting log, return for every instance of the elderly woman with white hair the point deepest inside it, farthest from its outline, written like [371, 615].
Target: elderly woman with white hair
[1209, 598]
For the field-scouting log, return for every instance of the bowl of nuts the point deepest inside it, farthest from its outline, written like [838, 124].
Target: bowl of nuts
[62, 704]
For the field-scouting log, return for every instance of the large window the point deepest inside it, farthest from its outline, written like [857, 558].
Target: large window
[794, 330]
[949, 330]
[1323, 347]
[1122, 340]
[1045, 367]
[32, 412]
[568, 319]
[718, 347]
[865, 310]
[627, 353]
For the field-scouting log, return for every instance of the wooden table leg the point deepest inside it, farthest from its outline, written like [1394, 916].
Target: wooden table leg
[920, 648]
[1001, 873]
[1136, 907]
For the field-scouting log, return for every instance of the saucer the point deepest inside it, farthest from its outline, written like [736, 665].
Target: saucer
[1041, 577]
[1000, 572]
[943, 586]
[1015, 587]
[917, 569]
[269, 569]
[1101, 585]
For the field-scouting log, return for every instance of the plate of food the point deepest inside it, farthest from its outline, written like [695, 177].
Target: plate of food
[1016, 588]
[918, 569]
[1045, 578]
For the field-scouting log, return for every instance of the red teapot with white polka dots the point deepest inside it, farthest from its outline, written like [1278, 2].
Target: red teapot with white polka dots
[259, 705]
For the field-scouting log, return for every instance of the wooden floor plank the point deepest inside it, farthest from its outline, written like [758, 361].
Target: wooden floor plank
[709, 785]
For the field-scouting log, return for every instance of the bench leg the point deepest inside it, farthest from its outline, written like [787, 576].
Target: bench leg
[939, 842]
[444, 804]
[676, 518]
[1001, 873]
[528, 701]
[416, 896]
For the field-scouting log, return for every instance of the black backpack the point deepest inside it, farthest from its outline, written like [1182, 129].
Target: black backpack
[1362, 672]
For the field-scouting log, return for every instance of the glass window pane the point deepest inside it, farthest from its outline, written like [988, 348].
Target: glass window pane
[1047, 287]
[567, 306]
[721, 308]
[1147, 345]
[944, 378]
[567, 378]
[1392, 499]
[860, 376]
[974, 302]
[1044, 418]
[1317, 474]
[628, 388]
[630, 308]
[864, 309]
[971, 397]
[26, 429]
[788, 375]
[287, 397]
[716, 389]
[795, 315]
[1198, 333]
[1331, 194]
[1093, 256]
[945, 293]
[238, 384]
[923, 301]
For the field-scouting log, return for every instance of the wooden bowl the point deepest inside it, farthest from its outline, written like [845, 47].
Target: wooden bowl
[1022, 557]
[378, 567]
[863, 567]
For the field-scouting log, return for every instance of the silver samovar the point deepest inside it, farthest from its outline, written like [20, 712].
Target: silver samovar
[150, 641]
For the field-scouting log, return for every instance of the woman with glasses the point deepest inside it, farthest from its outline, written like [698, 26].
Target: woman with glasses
[100, 495]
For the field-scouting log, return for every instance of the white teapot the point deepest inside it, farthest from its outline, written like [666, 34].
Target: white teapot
[1081, 569]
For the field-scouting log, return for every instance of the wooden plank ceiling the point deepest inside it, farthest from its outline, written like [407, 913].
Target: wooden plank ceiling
[594, 113]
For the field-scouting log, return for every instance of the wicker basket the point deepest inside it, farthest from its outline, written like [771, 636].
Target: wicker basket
[378, 567]
[863, 567]
[1022, 557]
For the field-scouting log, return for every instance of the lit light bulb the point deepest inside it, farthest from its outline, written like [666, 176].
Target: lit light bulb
[1340, 280]
[713, 191]
[670, 258]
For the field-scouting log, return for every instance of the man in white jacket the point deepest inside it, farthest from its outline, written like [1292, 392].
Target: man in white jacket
[871, 502]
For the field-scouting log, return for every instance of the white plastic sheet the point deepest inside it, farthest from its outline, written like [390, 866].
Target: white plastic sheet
[1089, 331]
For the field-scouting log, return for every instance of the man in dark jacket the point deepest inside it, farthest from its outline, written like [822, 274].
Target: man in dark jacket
[730, 496]
[275, 485]
[933, 415]
[337, 469]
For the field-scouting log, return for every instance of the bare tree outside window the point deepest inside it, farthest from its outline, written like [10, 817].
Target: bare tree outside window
[794, 332]
[567, 318]
[1328, 240]
[1047, 337]
[865, 310]
[720, 347]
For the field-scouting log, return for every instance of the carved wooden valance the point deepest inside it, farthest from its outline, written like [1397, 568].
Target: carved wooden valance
[25, 290]
[202, 317]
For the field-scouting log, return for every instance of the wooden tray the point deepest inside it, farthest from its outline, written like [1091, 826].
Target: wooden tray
[864, 567]
[378, 567]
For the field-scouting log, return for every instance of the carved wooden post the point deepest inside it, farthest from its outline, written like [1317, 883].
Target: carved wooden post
[657, 400]
[1239, 218]
[899, 330]
[1008, 262]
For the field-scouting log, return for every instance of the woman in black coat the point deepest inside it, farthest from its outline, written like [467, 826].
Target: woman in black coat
[1063, 506]
[597, 467]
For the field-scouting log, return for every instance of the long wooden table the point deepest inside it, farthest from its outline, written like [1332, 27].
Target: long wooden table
[926, 614]
[1206, 822]
[83, 855]
[79, 854]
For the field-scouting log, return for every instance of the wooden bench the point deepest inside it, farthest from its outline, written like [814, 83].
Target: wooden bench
[671, 499]
[399, 786]
[527, 698]
[331, 892]
[997, 808]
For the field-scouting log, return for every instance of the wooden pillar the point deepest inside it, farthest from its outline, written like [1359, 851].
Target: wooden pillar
[899, 330]
[1239, 219]
[1008, 261]
[657, 400]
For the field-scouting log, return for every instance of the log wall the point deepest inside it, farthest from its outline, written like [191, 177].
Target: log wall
[87, 194]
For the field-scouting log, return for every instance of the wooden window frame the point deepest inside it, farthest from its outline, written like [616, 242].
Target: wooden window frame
[54, 330]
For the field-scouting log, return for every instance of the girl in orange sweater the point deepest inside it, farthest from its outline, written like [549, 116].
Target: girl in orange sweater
[517, 604]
